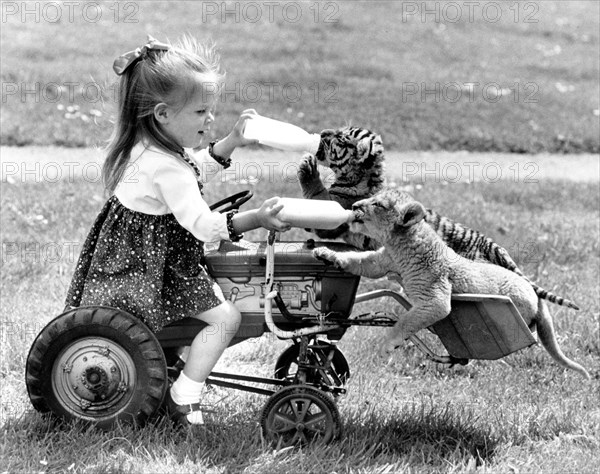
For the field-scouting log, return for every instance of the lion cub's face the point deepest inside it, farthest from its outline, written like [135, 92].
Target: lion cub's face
[387, 213]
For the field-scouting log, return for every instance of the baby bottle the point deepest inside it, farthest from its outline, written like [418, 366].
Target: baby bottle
[281, 135]
[313, 213]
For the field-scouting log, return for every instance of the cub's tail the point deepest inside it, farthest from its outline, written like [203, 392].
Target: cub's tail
[545, 330]
[501, 257]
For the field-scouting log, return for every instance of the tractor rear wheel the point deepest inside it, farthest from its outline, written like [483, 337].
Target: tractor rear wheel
[97, 364]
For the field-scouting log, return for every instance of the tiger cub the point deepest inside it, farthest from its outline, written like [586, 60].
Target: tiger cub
[356, 157]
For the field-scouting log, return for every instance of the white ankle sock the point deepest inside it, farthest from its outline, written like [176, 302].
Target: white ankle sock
[185, 391]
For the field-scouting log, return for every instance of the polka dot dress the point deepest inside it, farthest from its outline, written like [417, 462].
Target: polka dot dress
[147, 265]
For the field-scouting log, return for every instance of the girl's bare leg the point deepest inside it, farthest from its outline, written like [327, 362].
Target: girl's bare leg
[208, 346]
[205, 350]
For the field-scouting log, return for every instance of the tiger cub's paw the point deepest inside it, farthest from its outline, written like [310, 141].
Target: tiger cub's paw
[308, 172]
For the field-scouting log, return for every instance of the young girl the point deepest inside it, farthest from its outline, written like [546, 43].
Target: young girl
[145, 252]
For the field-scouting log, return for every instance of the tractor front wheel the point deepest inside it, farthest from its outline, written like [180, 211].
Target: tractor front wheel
[300, 415]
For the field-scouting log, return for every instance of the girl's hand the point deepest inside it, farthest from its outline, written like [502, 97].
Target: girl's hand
[235, 138]
[267, 215]
[237, 131]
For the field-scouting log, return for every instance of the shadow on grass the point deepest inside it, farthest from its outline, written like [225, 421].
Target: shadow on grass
[431, 434]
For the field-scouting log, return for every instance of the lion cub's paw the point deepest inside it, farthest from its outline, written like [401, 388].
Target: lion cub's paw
[323, 253]
[390, 345]
[387, 349]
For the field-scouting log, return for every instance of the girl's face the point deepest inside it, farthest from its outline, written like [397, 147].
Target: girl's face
[189, 124]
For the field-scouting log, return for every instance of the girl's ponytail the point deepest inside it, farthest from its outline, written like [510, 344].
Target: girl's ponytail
[124, 137]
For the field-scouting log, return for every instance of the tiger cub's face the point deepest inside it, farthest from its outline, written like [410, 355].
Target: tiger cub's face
[349, 151]
[386, 214]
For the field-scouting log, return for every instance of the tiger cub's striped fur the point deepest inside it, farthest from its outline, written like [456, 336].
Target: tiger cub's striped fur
[474, 245]
[356, 157]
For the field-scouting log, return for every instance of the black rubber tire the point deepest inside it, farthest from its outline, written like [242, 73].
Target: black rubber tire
[97, 364]
[300, 415]
[338, 372]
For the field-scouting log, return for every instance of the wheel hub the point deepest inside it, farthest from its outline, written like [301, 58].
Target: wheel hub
[93, 374]
[96, 380]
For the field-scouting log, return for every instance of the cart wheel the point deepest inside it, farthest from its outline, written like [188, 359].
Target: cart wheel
[300, 414]
[97, 364]
[332, 374]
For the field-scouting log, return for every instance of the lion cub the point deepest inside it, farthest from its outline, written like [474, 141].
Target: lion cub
[430, 271]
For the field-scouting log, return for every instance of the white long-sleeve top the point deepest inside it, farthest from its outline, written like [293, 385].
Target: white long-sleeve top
[157, 183]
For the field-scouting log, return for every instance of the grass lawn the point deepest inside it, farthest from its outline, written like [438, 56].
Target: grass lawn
[519, 414]
[519, 79]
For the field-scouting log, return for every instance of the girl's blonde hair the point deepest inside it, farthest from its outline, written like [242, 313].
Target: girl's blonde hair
[159, 76]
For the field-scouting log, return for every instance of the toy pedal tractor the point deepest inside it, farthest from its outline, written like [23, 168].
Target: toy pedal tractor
[102, 365]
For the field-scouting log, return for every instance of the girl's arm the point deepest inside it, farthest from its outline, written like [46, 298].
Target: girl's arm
[265, 216]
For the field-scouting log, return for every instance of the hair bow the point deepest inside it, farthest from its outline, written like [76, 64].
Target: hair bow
[125, 60]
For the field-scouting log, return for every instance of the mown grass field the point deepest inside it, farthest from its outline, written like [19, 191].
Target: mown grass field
[519, 77]
[519, 414]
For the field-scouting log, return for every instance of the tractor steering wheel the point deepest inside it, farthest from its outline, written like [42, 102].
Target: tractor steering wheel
[232, 202]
